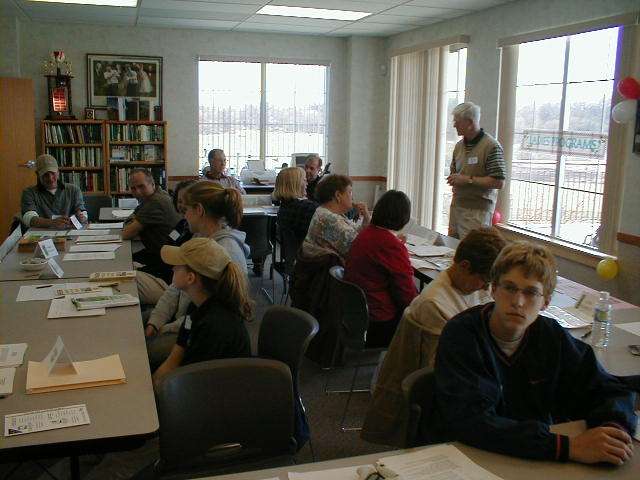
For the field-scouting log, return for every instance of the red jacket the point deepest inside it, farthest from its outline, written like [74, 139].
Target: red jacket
[378, 262]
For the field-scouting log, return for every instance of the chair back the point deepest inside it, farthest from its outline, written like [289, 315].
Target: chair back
[289, 246]
[418, 389]
[285, 333]
[257, 230]
[206, 405]
[351, 308]
[10, 242]
[94, 203]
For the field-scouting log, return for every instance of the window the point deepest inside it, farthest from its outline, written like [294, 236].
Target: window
[560, 135]
[261, 111]
[453, 95]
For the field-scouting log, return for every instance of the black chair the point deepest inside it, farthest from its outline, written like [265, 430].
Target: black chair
[93, 203]
[285, 264]
[257, 229]
[418, 389]
[353, 317]
[285, 333]
[225, 416]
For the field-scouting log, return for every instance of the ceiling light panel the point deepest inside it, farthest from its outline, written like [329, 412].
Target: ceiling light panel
[305, 12]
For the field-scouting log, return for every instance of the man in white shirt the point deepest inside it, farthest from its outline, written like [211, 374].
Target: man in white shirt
[218, 163]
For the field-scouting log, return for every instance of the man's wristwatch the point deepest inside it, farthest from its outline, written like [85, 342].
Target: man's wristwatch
[470, 181]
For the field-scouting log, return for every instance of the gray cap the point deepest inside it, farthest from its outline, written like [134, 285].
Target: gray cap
[46, 163]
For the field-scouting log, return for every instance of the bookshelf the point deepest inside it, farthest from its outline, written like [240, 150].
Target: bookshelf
[135, 144]
[78, 146]
[97, 155]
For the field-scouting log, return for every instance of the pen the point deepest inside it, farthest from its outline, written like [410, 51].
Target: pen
[43, 286]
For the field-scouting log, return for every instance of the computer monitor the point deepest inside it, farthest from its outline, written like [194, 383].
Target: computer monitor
[298, 159]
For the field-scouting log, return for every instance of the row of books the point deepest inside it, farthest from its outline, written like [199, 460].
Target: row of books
[137, 153]
[72, 133]
[136, 133]
[77, 157]
[120, 178]
[86, 181]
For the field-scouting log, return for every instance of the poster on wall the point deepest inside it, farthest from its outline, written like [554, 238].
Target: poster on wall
[126, 80]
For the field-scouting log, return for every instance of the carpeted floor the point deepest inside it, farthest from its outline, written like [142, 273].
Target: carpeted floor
[324, 415]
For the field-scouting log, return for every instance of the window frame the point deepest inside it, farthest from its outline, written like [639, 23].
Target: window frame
[263, 61]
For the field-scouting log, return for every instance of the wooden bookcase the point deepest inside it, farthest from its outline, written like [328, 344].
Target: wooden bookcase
[96, 155]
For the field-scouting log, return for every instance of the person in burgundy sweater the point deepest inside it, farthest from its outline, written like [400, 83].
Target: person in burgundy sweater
[378, 262]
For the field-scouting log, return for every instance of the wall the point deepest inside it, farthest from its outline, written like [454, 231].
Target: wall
[483, 67]
[9, 54]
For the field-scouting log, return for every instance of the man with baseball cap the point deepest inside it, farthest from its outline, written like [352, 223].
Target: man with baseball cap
[220, 304]
[50, 202]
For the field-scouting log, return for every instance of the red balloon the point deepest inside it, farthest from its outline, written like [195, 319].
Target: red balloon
[629, 88]
[497, 217]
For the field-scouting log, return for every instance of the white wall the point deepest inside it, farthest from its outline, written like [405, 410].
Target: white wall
[483, 67]
[9, 57]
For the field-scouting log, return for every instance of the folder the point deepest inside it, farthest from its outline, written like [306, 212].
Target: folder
[91, 373]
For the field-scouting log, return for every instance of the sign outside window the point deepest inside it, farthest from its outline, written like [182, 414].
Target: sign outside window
[570, 144]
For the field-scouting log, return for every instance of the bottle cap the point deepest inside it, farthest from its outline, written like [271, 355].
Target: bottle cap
[604, 295]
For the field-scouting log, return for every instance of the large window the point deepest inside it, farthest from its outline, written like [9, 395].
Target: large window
[453, 95]
[561, 130]
[261, 111]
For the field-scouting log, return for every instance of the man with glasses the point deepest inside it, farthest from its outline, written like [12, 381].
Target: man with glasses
[504, 374]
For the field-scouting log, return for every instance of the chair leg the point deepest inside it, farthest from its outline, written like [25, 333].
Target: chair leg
[346, 407]
[328, 376]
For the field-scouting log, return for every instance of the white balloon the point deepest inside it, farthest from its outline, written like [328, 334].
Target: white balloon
[624, 111]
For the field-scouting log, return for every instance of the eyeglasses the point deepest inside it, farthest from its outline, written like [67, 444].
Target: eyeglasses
[528, 293]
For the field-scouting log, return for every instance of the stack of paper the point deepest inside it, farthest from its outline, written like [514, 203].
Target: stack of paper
[28, 293]
[99, 226]
[89, 256]
[99, 239]
[104, 301]
[429, 250]
[95, 247]
[64, 308]
[86, 233]
[91, 373]
[121, 213]
[12, 354]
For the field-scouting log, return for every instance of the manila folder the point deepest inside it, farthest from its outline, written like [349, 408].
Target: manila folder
[92, 373]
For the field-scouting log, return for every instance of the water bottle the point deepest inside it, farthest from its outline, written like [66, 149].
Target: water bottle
[601, 330]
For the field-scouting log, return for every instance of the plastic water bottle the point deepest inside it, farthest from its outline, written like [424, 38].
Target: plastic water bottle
[601, 330]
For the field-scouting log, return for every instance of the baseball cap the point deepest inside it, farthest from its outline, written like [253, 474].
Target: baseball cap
[202, 255]
[46, 163]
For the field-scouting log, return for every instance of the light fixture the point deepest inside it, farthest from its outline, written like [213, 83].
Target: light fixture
[304, 12]
[106, 3]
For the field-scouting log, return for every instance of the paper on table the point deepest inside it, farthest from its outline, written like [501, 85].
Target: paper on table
[121, 213]
[49, 233]
[346, 473]
[442, 462]
[64, 308]
[564, 318]
[102, 226]
[418, 264]
[12, 354]
[41, 420]
[87, 233]
[418, 240]
[99, 239]
[248, 210]
[95, 247]
[429, 250]
[6, 381]
[89, 256]
[90, 373]
[29, 293]
[633, 327]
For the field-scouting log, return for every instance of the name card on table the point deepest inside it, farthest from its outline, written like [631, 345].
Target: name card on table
[76, 222]
[55, 268]
[58, 360]
[47, 248]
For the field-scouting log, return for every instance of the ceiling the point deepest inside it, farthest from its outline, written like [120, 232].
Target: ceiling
[388, 16]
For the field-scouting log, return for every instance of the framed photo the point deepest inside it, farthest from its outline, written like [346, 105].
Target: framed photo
[101, 113]
[89, 113]
[112, 78]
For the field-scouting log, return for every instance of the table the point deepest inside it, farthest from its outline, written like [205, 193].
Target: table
[10, 267]
[259, 189]
[122, 416]
[508, 468]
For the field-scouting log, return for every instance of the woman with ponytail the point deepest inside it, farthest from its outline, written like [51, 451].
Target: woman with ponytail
[214, 325]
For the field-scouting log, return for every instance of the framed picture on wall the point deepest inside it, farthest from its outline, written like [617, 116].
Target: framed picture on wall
[131, 76]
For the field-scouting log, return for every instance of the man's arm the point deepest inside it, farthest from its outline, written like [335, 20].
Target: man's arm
[132, 229]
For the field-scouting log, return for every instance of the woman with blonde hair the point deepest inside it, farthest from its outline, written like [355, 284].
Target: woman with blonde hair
[295, 211]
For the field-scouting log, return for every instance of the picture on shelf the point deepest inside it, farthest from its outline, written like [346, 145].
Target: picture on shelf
[120, 76]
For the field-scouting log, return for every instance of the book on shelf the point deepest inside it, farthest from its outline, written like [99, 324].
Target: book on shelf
[120, 178]
[131, 109]
[136, 133]
[72, 133]
[76, 157]
[85, 181]
[119, 154]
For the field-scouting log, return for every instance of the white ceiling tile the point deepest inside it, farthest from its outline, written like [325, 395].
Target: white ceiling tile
[461, 4]
[264, 27]
[95, 20]
[376, 29]
[414, 11]
[199, 6]
[352, 5]
[240, 2]
[185, 23]
[163, 13]
[296, 21]
[81, 11]
[399, 19]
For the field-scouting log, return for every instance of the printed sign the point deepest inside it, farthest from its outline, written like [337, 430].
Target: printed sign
[571, 144]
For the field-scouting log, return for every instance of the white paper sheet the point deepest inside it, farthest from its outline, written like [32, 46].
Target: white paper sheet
[6, 381]
[64, 308]
[442, 462]
[253, 210]
[41, 420]
[346, 473]
[633, 327]
[95, 247]
[417, 240]
[12, 354]
[418, 264]
[102, 226]
[429, 250]
[29, 293]
[89, 256]
[99, 239]
[121, 213]
[564, 318]
[49, 233]
[87, 233]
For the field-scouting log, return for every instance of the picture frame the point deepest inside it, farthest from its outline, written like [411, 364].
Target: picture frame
[89, 114]
[101, 113]
[112, 78]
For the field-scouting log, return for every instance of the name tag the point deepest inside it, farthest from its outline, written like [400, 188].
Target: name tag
[174, 235]
[53, 217]
[472, 161]
[187, 323]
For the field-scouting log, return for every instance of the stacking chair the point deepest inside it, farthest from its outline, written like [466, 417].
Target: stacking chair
[353, 317]
[257, 230]
[285, 333]
[93, 203]
[284, 265]
[225, 416]
[418, 389]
